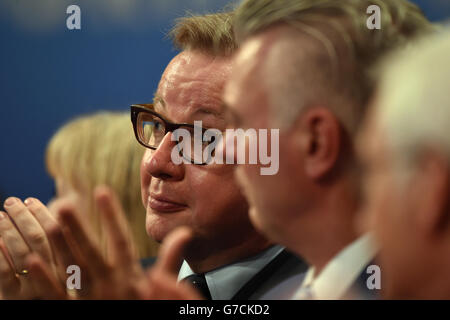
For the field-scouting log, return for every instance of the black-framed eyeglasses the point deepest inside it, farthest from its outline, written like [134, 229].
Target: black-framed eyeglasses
[150, 128]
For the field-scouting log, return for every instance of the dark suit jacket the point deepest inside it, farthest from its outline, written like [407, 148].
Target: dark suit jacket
[279, 279]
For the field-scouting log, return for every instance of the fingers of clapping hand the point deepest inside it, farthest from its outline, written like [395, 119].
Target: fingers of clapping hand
[44, 282]
[15, 244]
[121, 277]
[116, 227]
[22, 233]
[41, 213]
[164, 286]
[163, 276]
[34, 230]
[83, 247]
[9, 284]
[172, 250]
[63, 245]
[63, 253]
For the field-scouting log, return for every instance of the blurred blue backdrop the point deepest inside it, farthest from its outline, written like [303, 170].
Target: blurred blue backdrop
[49, 74]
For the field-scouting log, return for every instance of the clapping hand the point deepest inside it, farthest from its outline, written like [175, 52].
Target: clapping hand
[118, 276]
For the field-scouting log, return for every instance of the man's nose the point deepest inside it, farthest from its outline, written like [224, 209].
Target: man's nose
[158, 163]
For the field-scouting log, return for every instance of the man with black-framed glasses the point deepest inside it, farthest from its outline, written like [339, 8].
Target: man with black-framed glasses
[234, 260]
[150, 128]
[224, 256]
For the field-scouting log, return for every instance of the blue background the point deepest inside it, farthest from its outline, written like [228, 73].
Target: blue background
[49, 74]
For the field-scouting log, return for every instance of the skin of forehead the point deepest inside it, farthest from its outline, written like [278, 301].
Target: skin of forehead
[250, 70]
[192, 80]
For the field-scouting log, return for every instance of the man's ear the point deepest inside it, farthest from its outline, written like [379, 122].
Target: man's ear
[431, 185]
[320, 138]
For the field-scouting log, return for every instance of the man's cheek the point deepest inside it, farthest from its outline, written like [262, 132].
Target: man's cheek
[240, 178]
[370, 214]
[378, 204]
[243, 178]
[145, 178]
[384, 215]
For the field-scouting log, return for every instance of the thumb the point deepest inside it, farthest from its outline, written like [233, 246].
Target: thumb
[172, 250]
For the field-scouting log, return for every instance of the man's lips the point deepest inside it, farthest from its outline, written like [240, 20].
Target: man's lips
[163, 204]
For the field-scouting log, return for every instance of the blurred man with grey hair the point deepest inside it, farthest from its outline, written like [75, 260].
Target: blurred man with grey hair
[405, 146]
[303, 68]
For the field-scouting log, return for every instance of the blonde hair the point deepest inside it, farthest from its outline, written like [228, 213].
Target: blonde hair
[210, 33]
[345, 49]
[100, 149]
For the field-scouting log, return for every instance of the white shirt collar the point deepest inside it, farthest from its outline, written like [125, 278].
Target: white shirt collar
[225, 282]
[340, 273]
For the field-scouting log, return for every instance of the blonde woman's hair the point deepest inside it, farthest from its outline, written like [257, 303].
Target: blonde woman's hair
[100, 149]
[340, 54]
[210, 33]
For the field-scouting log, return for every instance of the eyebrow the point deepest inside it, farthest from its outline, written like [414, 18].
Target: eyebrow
[231, 115]
[208, 111]
[158, 99]
[202, 110]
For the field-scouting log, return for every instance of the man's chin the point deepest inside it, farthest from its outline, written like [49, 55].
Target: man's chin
[159, 226]
[157, 233]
